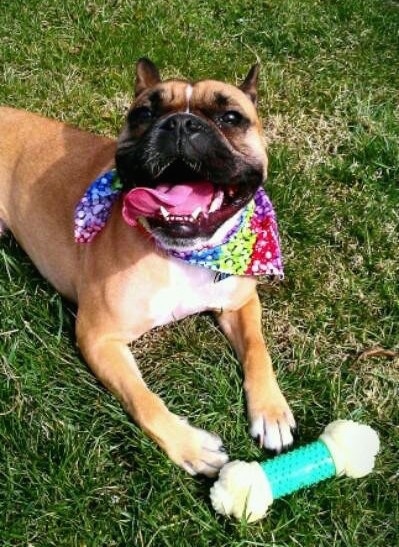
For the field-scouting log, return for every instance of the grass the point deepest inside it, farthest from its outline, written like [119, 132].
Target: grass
[74, 470]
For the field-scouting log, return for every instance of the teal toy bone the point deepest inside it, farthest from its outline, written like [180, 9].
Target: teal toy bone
[248, 489]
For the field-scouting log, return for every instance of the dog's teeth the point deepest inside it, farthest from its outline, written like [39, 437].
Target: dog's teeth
[196, 213]
[176, 218]
[213, 206]
[217, 202]
[164, 212]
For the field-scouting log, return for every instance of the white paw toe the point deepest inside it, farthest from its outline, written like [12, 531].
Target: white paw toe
[273, 432]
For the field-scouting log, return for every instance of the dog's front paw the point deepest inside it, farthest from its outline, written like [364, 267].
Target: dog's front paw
[271, 420]
[196, 450]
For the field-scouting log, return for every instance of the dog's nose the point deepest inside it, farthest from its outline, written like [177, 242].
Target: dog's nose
[183, 124]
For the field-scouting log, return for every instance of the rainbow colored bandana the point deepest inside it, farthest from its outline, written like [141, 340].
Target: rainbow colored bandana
[251, 247]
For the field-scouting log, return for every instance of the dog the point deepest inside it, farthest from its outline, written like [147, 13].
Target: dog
[202, 136]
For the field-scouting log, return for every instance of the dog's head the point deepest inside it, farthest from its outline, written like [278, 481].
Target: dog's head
[197, 147]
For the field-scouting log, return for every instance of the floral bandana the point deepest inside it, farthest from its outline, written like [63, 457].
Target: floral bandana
[251, 247]
[93, 210]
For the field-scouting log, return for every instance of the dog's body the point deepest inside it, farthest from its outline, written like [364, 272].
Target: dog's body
[122, 283]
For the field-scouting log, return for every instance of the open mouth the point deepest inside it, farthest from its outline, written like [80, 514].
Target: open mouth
[195, 208]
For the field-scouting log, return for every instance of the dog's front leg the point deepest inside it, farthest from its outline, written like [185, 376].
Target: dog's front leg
[193, 449]
[270, 417]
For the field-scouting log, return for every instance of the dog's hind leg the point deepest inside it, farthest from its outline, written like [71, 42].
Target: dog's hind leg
[270, 417]
[195, 450]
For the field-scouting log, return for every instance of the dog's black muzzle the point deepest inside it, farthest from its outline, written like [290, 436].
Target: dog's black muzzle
[178, 147]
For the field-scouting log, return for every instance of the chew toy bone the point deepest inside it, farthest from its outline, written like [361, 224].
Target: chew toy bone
[248, 489]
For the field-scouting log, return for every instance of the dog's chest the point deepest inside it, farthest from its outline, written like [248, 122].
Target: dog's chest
[193, 289]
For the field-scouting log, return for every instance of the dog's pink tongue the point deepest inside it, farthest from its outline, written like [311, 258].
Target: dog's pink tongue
[182, 199]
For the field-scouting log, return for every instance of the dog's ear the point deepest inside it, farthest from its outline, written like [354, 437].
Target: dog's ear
[147, 75]
[250, 84]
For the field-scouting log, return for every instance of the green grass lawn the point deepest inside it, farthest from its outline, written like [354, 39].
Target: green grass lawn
[74, 470]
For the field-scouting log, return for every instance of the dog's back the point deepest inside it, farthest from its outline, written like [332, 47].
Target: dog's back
[37, 156]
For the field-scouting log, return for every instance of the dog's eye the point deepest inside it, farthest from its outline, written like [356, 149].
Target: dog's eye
[139, 115]
[231, 118]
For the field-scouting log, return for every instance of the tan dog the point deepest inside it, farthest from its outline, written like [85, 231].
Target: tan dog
[122, 283]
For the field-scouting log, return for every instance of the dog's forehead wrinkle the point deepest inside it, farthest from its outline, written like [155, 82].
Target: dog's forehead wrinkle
[155, 97]
[223, 95]
[221, 99]
[172, 95]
